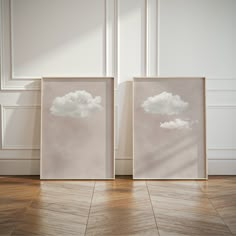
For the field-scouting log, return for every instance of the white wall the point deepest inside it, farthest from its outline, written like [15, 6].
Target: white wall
[120, 38]
[197, 38]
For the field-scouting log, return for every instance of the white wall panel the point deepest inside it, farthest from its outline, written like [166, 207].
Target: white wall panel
[20, 98]
[221, 154]
[221, 84]
[131, 61]
[196, 38]
[131, 39]
[151, 37]
[124, 132]
[110, 40]
[20, 127]
[16, 154]
[45, 38]
[57, 37]
[221, 97]
[221, 127]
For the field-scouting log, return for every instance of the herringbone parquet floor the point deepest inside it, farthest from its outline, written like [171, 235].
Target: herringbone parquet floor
[31, 207]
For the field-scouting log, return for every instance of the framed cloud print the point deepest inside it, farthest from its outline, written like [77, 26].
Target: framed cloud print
[77, 128]
[169, 128]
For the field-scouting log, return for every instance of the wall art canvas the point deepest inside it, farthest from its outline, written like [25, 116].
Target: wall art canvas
[77, 130]
[169, 128]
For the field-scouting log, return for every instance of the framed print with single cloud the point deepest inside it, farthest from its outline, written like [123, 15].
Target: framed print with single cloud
[169, 128]
[77, 128]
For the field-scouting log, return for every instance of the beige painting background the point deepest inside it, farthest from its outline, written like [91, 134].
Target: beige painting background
[163, 153]
[77, 148]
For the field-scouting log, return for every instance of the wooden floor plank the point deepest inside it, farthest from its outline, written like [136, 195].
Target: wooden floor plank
[121, 208]
[31, 207]
[61, 208]
[15, 196]
[222, 194]
[188, 209]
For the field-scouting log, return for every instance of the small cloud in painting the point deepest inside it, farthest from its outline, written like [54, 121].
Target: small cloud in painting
[178, 124]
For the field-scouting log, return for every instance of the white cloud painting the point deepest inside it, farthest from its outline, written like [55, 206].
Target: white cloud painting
[78, 104]
[169, 128]
[176, 124]
[168, 104]
[165, 104]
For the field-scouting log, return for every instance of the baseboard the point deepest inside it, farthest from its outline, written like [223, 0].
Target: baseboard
[222, 167]
[123, 167]
[32, 167]
[19, 167]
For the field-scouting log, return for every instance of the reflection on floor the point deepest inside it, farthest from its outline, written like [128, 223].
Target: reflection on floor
[29, 206]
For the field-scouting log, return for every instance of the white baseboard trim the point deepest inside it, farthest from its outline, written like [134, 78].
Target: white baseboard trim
[32, 167]
[123, 167]
[221, 167]
[19, 167]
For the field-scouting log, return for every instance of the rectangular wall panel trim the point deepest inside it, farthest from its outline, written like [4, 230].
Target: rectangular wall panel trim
[4, 108]
[219, 84]
[151, 40]
[11, 82]
[23, 154]
[8, 82]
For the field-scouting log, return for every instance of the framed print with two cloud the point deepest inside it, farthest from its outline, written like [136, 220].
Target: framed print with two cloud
[169, 133]
[77, 128]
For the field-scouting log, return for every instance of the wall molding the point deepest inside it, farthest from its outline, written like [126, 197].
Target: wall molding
[105, 46]
[158, 34]
[8, 81]
[222, 148]
[22, 83]
[218, 78]
[151, 7]
[146, 38]
[13, 77]
[18, 159]
[124, 158]
[116, 33]
[117, 42]
[221, 106]
[220, 90]
[11, 82]
[111, 15]
[3, 125]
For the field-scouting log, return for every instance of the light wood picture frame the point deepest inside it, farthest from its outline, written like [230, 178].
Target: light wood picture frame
[169, 128]
[77, 128]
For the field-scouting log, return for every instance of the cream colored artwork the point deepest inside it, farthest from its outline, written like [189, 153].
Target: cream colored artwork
[169, 128]
[77, 128]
